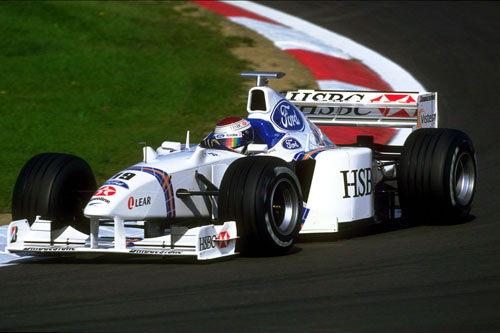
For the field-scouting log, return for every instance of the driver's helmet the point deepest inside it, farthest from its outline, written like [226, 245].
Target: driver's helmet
[234, 133]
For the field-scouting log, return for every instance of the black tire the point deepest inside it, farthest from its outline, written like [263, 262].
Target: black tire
[55, 186]
[262, 194]
[437, 176]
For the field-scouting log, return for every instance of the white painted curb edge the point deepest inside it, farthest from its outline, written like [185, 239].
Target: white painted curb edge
[392, 73]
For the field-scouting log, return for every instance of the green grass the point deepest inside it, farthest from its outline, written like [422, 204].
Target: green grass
[95, 78]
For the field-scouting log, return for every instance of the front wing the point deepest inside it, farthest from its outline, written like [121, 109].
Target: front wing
[203, 243]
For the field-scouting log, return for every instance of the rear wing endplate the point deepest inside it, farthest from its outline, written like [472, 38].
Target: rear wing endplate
[367, 108]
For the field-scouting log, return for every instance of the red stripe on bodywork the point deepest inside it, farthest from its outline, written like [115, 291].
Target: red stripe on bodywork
[325, 67]
[224, 9]
[345, 135]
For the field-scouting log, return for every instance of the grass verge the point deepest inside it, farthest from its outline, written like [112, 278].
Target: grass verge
[95, 78]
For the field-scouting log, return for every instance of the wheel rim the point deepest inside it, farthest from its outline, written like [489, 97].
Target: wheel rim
[284, 206]
[464, 179]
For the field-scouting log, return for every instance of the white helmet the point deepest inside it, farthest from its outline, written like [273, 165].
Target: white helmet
[234, 133]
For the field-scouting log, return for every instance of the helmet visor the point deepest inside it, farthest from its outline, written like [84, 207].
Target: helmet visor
[230, 140]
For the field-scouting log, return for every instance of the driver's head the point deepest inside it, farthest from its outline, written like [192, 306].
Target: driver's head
[234, 133]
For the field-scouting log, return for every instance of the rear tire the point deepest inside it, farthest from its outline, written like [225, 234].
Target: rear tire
[55, 186]
[262, 194]
[437, 176]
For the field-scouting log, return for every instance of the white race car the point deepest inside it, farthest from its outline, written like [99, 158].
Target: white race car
[253, 184]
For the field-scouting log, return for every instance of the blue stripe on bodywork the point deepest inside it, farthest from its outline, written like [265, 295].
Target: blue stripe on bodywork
[164, 179]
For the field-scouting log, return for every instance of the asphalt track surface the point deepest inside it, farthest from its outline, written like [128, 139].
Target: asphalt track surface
[425, 278]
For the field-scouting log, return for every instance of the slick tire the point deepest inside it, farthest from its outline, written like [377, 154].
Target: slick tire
[263, 195]
[55, 186]
[437, 176]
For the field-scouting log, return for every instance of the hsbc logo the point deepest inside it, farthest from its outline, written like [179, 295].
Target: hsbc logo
[393, 98]
[324, 96]
[207, 242]
[105, 191]
[357, 183]
[332, 110]
[240, 125]
[223, 239]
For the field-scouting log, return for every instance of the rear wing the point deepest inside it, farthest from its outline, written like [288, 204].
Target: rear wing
[367, 108]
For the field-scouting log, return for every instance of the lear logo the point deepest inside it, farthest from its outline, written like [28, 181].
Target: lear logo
[134, 203]
[357, 183]
[105, 191]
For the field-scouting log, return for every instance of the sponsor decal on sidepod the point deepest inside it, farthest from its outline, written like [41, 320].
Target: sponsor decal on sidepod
[359, 180]
[291, 143]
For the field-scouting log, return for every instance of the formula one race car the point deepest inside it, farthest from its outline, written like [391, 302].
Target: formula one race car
[255, 183]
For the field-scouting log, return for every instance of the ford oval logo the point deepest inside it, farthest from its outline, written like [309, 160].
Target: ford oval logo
[287, 117]
[116, 183]
[291, 143]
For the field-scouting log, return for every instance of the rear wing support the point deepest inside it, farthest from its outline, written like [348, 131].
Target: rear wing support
[263, 77]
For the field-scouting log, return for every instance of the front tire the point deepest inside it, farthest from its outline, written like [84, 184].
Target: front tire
[55, 186]
[437, 176]
[262, 194]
